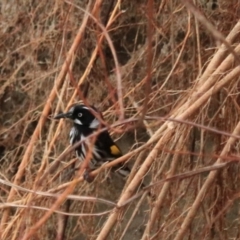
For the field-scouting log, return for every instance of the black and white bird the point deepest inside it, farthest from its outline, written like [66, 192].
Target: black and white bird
[86, 122]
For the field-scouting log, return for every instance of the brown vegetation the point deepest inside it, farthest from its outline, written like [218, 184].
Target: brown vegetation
[165, 74]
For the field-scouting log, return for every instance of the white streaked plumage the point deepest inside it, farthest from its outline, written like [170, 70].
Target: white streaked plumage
[77, 121]
[85, 141]
[72, 134]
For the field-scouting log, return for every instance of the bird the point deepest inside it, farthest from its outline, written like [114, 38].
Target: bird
[86, 121]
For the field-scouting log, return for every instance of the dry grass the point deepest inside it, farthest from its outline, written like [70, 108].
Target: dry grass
[168, 88]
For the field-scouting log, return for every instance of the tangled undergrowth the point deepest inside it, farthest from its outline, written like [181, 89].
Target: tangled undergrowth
[165, 78]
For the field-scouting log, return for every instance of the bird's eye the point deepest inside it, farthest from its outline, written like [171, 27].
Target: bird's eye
[79, 114]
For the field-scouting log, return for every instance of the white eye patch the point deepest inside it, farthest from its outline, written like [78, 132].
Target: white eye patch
[77, 121]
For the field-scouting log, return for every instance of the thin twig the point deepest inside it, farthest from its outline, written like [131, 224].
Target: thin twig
[211, 177]
[210, 27]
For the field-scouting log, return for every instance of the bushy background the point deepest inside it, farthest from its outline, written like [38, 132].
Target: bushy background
[170, 65]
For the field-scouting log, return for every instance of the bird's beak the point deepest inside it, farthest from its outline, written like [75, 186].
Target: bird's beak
[63, 115]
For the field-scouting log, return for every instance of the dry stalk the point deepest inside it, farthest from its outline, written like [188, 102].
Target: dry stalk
[220, 54]
[18, 206]
[204, 189]
[179, 55]
[209, 26]
[46, 216]
[149, 60]
[204, 97]
[133, 185]
[201, 89]
[47, 108]
[198, 50]
[213, 70]
[95, 52]
[136, 209]
[167, 159]
[198, 100]
[146, 165]
[165, 188]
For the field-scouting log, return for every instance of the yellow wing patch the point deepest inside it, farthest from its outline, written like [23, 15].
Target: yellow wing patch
[115, 150]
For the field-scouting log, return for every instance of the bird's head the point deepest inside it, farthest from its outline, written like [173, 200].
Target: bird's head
[81, 115]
